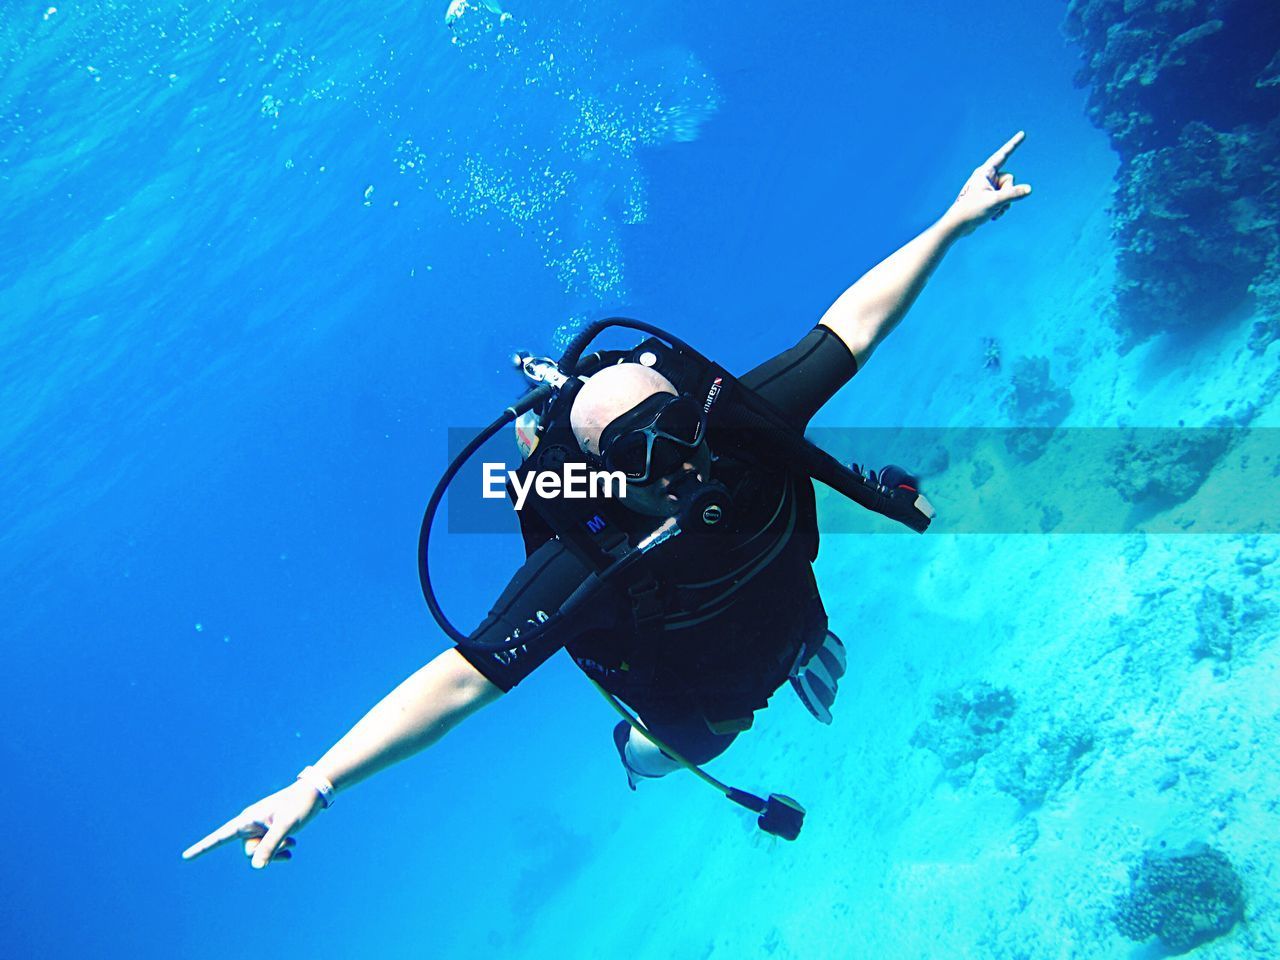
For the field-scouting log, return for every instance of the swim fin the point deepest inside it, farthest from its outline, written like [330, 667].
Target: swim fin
[816, 676]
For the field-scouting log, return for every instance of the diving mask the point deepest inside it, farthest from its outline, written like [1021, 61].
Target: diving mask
[654, 438]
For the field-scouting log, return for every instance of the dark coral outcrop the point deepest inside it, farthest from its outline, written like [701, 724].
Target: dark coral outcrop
[1036, 404]
[1043, 761]
[1029, 755]
[1163, 468]
[965, 723]
[1189, 93]
[1184, 897]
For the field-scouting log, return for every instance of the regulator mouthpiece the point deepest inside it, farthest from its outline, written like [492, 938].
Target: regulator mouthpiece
[704, 505]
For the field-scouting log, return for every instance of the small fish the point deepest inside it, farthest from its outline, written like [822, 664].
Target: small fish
[458, 7]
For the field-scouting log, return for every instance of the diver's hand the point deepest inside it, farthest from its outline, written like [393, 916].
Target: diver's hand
[988, 192]
[265, 826]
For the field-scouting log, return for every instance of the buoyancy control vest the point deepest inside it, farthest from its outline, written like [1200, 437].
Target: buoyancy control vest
[614, 542]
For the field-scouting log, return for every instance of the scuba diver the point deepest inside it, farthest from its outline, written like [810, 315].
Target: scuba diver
[690, 599]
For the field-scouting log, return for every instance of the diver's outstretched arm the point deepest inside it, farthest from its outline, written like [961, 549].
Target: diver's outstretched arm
[410, 718]
[866, 312]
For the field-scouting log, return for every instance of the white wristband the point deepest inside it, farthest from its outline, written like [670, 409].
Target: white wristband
[320, 783]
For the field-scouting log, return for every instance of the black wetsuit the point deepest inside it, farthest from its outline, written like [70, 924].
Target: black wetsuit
[735, 607]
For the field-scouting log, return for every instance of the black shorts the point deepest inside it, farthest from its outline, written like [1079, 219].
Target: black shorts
[538, 589]
[710, 677]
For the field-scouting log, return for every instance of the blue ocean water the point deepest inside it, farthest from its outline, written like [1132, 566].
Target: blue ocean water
[260, 258]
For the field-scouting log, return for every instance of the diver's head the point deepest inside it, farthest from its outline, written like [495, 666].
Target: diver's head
[631, 418]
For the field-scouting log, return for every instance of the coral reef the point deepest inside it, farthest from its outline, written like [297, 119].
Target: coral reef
[1227, 624]
[991, 354]
[982, 472]
[1043, 761]
[965, 724]
[1028, 757]
[1161, 468]
[1215, 627]
[1034, 401]
[1050, 517]
[931, 461]
[1266, 329]
[1254, 556]
[1189, 93]
[1026, 833]
[1185, 897]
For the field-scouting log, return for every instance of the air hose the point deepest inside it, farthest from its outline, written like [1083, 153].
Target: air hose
[779, 815]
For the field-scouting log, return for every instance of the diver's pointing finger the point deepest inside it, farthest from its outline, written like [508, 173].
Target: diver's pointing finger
[228, 831]
[267, 848]
[1000, 156]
